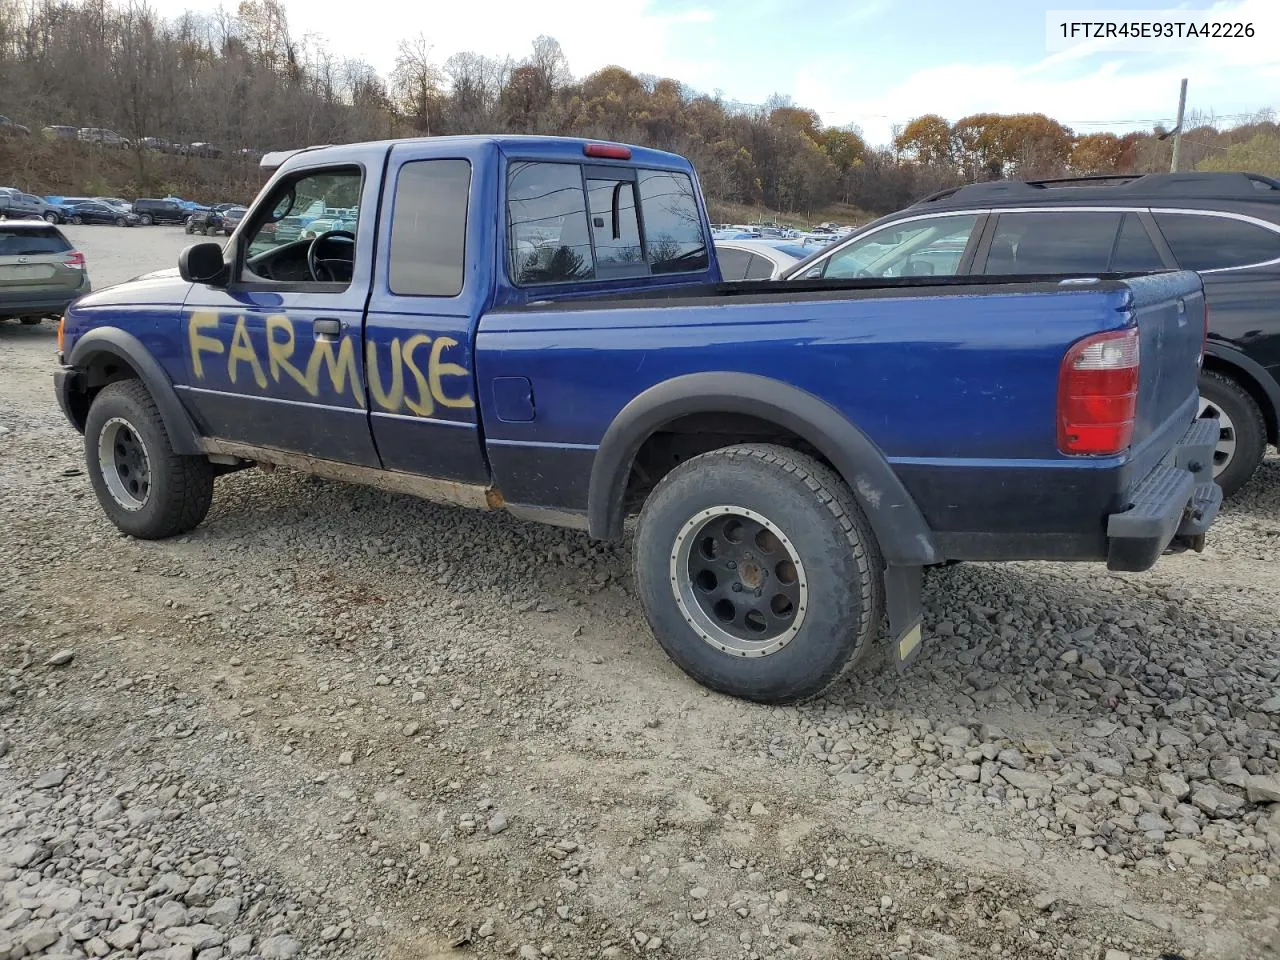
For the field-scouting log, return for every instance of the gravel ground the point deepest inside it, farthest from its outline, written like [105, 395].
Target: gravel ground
[334, 722]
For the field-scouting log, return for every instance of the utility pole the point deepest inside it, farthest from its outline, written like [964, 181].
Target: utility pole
[1177, 130]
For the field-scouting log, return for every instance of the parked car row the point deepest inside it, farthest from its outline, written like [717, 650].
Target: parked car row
[100, 136]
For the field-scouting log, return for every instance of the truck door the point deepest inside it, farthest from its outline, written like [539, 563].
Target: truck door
[432, 282]
[275, 358]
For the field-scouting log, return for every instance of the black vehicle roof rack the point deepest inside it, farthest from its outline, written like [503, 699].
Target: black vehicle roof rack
[1219, 186]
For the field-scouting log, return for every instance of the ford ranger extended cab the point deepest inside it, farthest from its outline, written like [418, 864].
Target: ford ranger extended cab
[537, 325]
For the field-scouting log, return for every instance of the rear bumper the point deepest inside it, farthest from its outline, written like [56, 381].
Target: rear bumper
[1173, 505]
[14, 306]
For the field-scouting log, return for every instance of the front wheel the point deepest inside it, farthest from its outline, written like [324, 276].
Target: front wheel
[121, 222]
[1242, 436]
[146, 220]
[77, 219]
[758, 573]
[146, 489]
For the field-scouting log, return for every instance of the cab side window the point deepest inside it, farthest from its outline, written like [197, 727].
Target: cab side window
[316, 212]
[429, 228]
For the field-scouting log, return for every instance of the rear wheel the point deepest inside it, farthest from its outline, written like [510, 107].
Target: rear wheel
[1242, 438]
[51, 217]
[758, 573]
[146, 489]
[77, 219]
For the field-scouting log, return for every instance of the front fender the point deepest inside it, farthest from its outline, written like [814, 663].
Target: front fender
[903, 533]
[124, 347]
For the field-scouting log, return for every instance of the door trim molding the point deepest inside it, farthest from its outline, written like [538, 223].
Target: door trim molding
[436, 490]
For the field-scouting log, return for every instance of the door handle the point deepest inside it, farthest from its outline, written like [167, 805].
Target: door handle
[326, 328]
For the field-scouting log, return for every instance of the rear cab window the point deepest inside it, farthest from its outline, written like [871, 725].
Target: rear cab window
[570, 222]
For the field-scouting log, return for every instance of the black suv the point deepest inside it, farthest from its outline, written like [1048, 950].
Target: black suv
[159, 211]
[1226, 226]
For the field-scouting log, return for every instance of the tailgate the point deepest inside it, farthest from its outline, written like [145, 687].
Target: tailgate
[1169, 310]
[37, 273]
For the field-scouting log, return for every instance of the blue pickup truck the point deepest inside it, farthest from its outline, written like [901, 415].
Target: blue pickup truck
[538, 325]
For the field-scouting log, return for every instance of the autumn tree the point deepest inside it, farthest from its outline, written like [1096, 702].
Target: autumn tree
[926, 139]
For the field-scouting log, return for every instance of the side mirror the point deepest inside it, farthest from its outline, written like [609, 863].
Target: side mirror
[203, 263]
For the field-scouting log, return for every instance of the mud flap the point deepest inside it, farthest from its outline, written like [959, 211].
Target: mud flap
[902, 599]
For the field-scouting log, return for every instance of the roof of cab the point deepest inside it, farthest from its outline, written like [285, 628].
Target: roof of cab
[563, 148]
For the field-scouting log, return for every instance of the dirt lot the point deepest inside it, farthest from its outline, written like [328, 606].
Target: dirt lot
[334, 722]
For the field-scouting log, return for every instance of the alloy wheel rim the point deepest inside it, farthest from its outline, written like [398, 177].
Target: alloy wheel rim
[125, 465]
[738, 581]
[1224, 450]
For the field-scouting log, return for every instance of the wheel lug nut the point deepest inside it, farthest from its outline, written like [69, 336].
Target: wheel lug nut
[732, 565]
[737, 588]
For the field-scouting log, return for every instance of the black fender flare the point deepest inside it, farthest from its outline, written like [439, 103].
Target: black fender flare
[904, 535]
[1257, 373]
[128, 348]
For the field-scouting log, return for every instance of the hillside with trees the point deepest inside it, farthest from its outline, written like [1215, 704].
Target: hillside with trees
[245, 80]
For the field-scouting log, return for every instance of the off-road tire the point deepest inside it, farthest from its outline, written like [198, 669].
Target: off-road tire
[181, 487]
[1250, 428]
[840, 560]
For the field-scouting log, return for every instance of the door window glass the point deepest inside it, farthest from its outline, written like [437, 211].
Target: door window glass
[760, 268]
[1052, 242]
[1134, 249]
[279, 239]
[1208, 242]
[733, 263]
[932, 247]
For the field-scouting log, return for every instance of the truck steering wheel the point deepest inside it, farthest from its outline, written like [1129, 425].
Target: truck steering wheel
[322, 270]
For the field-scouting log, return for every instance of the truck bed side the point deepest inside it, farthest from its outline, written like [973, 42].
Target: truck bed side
[955, 385]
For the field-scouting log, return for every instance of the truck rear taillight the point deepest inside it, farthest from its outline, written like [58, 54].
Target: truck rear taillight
[1098, 393]
[75, 259]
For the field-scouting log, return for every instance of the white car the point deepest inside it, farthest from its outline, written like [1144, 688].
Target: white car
[754, 259]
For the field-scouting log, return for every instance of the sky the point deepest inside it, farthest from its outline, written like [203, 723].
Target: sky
[871, 63]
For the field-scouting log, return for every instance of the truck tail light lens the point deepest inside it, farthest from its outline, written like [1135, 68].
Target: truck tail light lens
[75, 259]
[608, 151]
[1098, 393]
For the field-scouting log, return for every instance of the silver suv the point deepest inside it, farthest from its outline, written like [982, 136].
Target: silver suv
[40, 271]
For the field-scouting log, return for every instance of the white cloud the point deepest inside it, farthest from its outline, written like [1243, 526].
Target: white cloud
[1076, 86]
